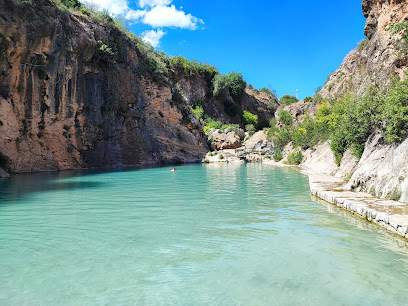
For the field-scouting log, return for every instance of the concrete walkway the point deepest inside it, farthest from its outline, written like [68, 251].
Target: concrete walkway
[391, 215]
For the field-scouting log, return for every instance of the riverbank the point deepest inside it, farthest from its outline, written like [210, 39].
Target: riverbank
[391, 215]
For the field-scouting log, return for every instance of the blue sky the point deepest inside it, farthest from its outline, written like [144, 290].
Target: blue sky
[286, 45]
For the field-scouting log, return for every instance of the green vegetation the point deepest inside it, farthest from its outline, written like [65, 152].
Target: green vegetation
[250, 118]
[295, 158]
[198, 111]
[181, 65]
[362, 44]
[231, 84]
[395, 195]
[349, 121]
[278, 155]
[210, 123]
[288, 99]
[399, 27]
[285, 118]
[250, 128]
[348, 177]
[267, 91]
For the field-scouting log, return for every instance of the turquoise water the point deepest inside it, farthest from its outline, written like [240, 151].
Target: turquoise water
[204, 235]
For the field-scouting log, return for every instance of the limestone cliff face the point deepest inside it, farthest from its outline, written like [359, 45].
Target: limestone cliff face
[66, 103]
[383, 169]
[378, 58]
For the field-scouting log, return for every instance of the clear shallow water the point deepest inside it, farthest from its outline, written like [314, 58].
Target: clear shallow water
[212, 235]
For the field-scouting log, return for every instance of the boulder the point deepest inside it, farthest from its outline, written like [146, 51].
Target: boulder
[3, 173]
[222, 141]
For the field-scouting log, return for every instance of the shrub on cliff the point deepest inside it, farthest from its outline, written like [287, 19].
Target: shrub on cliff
[288, 99]
[210, 123]
[268, 91]
[249, 118]
[285, 118]
[231, 84]
[198, 111]
[281, 137]
[250, 128]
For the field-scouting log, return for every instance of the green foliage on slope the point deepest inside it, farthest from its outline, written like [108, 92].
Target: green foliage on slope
[349, 121]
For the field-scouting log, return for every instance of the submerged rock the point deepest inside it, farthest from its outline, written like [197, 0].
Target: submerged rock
[3, 173]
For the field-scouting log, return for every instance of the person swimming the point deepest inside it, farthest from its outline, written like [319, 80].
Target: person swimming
[173, 170]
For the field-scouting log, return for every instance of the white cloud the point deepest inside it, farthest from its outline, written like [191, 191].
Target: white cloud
[156, 13]
[135, 15]
[115, 7]
[153, 3]
[169, 16]
[153, 37]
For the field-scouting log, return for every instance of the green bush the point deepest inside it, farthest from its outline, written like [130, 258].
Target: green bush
[177, 94]
[393, 117]
[221, 85]
[198, 103]
[210, 123]
[198, 112]
[250, 118]
[285, 118]
[308, 99]
[267, 91]
[181, 65]
[263, 123]
[231, 84]
[309, 133]
[398, 27]
[278, 155]
[237, 84]
[295, 158]
[250, 128]
[288, 99]
[281, 137]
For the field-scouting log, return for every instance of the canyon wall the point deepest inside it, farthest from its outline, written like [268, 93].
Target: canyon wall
[79, 93]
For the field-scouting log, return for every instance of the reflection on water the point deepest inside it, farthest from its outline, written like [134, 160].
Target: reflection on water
[221, 234]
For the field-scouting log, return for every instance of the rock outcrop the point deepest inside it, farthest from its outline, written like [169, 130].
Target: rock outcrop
[377, 59]
[255, 149]
[3, 173]
[225, 140]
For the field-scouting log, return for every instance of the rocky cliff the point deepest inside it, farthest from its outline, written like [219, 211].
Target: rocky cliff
[377, 59]
[76, 92]
[383, 169]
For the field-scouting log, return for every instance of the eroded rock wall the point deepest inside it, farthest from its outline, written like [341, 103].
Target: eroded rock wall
[66, 102]
[378, 59]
